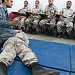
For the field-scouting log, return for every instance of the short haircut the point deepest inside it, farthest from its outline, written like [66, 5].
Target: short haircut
[4, 0]
[69, 1]
[26, 1]
[37, 1]
[48, 0]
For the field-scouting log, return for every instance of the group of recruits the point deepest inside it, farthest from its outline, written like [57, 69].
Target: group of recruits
[15, 43]
[51, 10]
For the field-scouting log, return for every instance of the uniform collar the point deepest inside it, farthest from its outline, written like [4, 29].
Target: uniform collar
[68, 9]
[37, 7]
[52, 6]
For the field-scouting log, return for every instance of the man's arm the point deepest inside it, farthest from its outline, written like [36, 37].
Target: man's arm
[3, 21]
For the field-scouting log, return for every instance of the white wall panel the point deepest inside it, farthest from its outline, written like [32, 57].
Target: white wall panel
[17, 4]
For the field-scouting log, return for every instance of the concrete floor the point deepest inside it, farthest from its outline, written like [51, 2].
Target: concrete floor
[52, 39]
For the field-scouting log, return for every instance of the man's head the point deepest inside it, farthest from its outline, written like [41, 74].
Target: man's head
[25, 3]
[50, 2]
[0, 2]
[69, 4]
[7, 3]
[37, 3]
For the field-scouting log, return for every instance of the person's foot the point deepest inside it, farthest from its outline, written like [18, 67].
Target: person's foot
[37, 70]
[30, 30]
[34, 31]
[43, 71]
[60, 35]
[38, 30]
[65, 35]
[3, 69]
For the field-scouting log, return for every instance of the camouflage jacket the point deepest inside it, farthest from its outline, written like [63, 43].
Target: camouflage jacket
[68, 14]
[24, 9]
[51, 11]
[36, 11]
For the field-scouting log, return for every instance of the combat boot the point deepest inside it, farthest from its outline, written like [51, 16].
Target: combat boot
[3, 69]
[60, 35]
[37, 70]
[34, 31]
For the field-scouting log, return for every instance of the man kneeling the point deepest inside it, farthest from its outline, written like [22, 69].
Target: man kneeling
[16, 43]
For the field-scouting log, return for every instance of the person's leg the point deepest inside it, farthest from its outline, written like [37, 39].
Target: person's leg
[29, 58]
[22, 22]
[69, 27]
[3, 69]
[27, 23]
[52, 28]
[59, 26]
[69, 30]
[35, 26]
[7, 56]
[28, 20]
[35, 23]
[42, 24]
[52, 25]
[74, 30]
[23, 50]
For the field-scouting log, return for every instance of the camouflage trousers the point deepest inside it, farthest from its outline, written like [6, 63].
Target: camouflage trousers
[69, 26]
[74, 27]
[43, 22]
[22, 21]
[33, 20]
[17, 46]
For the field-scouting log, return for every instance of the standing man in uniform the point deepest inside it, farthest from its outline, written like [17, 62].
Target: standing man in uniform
[15, 42]
[51, 10]
[35, 18]
[66, 19]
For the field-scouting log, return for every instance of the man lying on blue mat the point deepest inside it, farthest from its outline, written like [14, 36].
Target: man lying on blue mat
[16, 43]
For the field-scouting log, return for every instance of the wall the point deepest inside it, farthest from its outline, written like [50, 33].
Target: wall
[17, 4]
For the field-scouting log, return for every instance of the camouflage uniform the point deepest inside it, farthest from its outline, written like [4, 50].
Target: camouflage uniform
[33, 17]
[51, 15]
[17, 45]
[68, 13]
[22, 18]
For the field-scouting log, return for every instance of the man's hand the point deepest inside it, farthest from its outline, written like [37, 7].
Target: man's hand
[71, 21]
[21, 12]
[52, 21]
[36, 18]
[15, 22]
[60, 20]
[28, 17]
[18, 31]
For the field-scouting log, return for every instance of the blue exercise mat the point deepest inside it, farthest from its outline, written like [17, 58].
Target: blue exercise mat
[73, 57]
[17, 68]
[61, 72]
[72, 73]
[51, 54]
